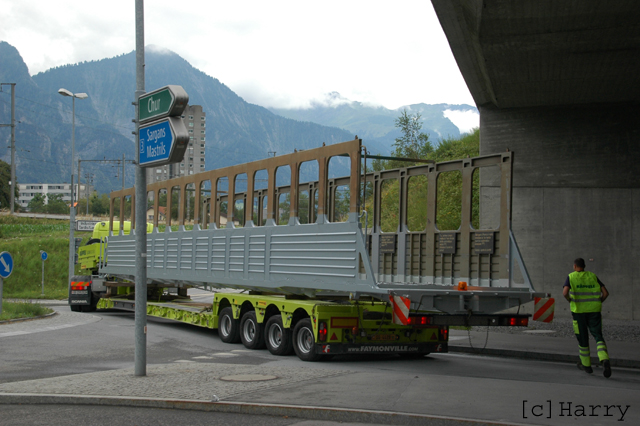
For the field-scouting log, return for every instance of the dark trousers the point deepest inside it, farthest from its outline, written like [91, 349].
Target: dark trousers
[583, 324]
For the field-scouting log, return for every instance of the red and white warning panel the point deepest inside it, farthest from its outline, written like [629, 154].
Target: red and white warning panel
[544, 308]
[400, 306]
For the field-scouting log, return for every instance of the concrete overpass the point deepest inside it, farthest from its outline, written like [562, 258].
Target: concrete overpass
[558, 83]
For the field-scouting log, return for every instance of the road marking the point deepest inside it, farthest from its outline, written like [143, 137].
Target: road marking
[29, 324]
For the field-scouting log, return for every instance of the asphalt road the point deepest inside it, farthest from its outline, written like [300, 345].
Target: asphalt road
[450, 385]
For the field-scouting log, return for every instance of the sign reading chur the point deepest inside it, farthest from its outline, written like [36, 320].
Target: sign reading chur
[168, 101]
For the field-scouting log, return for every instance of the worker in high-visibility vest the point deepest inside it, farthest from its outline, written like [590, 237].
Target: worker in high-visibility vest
[585, 292]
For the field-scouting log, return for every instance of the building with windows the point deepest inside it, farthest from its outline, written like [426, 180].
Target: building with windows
[26, 192]
[193, 162]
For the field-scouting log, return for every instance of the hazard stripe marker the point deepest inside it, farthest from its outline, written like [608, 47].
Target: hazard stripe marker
[544, 309]
[400, 306]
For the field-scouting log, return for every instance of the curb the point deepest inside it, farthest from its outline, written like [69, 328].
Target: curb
[43, 302]
[540, 356]
[342, 415]
[28, 319]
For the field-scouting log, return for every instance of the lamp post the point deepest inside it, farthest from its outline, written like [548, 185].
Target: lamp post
[72, 211]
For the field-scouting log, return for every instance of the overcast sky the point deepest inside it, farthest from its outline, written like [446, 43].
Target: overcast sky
[277, 53]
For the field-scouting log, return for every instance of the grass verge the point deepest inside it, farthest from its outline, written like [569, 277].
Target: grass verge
[23, 238]
[11, 310]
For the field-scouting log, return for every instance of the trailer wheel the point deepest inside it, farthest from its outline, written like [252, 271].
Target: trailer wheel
[304, 341]
[278, 338]
[228, 327]
[251, 333]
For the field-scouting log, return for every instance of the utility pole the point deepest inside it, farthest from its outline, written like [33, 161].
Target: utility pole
[140, 324]
[116, 163]
[12, 184]
[88, 178]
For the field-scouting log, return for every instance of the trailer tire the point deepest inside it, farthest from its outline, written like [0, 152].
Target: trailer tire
[251, 332]
[277, 338]
[304, 341]
[228, 327]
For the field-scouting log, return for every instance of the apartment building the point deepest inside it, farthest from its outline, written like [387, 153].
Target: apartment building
[26, 191]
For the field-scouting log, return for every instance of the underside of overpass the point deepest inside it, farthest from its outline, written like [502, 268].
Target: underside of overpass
[557, 82]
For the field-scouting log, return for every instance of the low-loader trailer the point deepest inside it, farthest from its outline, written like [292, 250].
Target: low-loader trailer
[302, 261]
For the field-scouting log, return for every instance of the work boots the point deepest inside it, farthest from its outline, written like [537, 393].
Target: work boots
[607, 368]
[588, 370]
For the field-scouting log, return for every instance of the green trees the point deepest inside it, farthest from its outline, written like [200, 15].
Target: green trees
[415, 144]
[5, 192]
[36, 204]
[55, 204]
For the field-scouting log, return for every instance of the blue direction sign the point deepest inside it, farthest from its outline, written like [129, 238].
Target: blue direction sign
[43, 255]
[163, 142]
[6, 264]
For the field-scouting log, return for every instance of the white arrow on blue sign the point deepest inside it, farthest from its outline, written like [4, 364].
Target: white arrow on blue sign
[163, 142]
[43, 255]
[6, 264]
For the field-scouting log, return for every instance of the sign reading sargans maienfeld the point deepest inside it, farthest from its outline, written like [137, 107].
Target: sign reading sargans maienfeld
[165, 139]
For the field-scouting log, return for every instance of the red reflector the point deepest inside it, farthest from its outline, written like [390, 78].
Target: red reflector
[419, 320]
[522, 322]
[322, 331]
[444, 333]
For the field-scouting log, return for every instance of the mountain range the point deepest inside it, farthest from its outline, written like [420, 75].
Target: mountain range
[237, 131]
[376, 124]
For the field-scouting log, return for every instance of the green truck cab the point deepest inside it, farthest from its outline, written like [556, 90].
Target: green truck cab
[91, 254]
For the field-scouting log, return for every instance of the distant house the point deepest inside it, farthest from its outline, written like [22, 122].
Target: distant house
[162, 214]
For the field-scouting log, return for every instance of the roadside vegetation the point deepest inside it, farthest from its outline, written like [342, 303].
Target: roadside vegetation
[415, 144]
[11, 310]
[23, 238]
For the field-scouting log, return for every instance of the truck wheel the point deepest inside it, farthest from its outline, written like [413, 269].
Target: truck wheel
[76, 308]
[251, 333]
[277, 338]
[304, 341]
[228, 327]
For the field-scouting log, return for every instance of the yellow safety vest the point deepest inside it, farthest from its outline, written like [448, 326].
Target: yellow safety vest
[585, 292]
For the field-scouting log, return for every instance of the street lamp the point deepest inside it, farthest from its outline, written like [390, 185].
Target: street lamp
[72, 211]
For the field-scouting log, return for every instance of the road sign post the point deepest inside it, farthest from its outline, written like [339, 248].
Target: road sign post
[43, 256]
[6, 267]
[163, 139]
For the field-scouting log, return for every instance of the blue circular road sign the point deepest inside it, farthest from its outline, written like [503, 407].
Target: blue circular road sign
[6, 264]
[43, 255]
